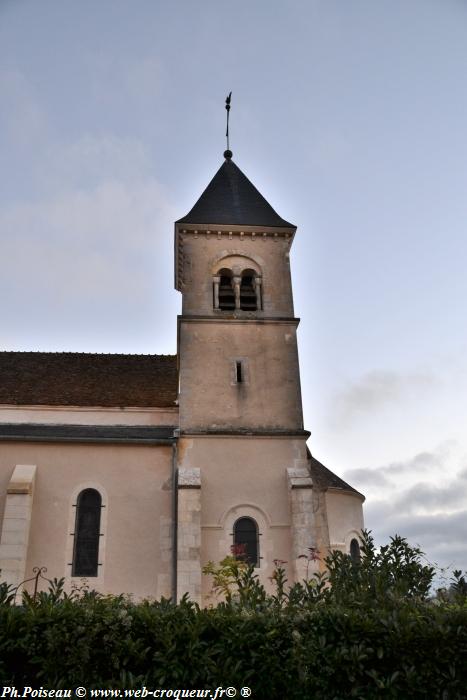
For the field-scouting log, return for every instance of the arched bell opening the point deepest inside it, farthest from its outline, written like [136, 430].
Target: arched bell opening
[226, 293]
[248, 292]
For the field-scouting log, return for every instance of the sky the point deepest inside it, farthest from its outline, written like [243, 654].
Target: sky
[349, 117]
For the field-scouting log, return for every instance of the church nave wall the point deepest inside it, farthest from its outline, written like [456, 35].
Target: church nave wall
[135, 484]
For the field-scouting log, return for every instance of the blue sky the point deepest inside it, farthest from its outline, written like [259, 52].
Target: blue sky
[350, 117]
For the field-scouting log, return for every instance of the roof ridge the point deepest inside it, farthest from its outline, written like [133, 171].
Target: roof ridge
[84, 352]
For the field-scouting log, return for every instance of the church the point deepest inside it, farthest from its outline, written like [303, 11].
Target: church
[131, 472]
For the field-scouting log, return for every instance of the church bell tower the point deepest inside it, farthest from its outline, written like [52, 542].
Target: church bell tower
[238, 352]
[242, 441]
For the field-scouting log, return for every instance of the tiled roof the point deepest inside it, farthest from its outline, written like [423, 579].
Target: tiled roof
[87, 379]
[231, 199]
[324, 478]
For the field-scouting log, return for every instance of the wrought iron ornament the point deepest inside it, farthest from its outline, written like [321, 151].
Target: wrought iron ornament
[228, 152]
[38, 572]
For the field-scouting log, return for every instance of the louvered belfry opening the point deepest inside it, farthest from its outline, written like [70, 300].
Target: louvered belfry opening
[248, 291]
[246, 539]
[226, 291]
[87, 533]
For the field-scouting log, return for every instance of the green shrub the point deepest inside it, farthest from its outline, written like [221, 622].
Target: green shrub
[372, 633]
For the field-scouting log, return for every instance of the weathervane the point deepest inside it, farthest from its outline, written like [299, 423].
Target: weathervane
[228, 152]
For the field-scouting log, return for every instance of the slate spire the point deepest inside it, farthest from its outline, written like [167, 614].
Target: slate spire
[231, 199]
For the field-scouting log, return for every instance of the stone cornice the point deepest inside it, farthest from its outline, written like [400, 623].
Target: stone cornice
[278, 433]
[227, 233]
[228, 317]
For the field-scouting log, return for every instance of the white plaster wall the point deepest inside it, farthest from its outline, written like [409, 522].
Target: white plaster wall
[244, 477]
[135, 482]
[209, 396]
[77, 415]
[345, 518]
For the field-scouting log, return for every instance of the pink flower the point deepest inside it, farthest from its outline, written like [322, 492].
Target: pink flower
[238, 550]
[313, 554]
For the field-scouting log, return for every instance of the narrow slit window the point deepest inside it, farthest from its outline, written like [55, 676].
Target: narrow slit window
[87, 533]
[239, 371]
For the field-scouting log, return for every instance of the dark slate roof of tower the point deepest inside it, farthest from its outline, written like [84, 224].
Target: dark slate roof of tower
[231, 199]
[87, 379]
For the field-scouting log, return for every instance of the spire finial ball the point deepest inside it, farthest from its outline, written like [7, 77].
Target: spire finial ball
[228, 154]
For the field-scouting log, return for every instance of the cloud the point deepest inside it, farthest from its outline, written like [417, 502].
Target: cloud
[85, 243]
[375, 390]
[86, 254]
[445, 458]
[22, 118]
[93, 159]
[423, 498]
[366, 477]
[94, 252]
[441, 537]
[433, 498]
[119, 80]
[421, 463]
[143, 77]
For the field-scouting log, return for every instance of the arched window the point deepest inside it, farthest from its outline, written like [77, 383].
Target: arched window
[355, 550]
[245, 537]
[87, 533]
[248, 301]
[226, 290]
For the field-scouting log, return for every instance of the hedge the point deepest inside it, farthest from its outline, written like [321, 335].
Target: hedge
[327, 652]
[334, 637]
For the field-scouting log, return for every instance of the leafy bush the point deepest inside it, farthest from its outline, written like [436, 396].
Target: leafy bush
[366, 630]
[393, 573]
